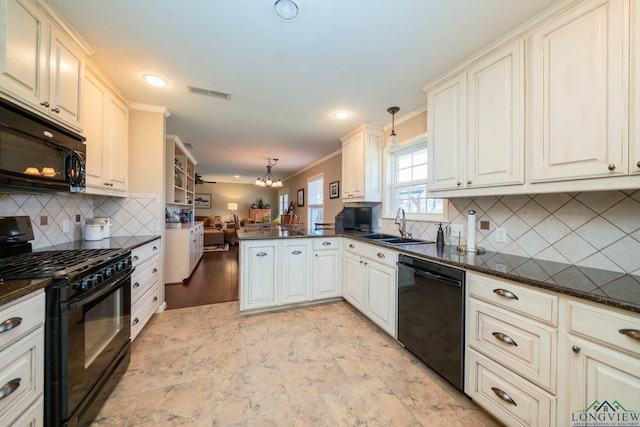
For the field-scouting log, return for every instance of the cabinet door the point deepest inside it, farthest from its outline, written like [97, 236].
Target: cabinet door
[326, 274]
[353, 281]
[94, 107]
[495, 147]
[353, 166]
[117, 144]
[296, 271]
[66, 65]
[446, 142]
[258, 275]
[598, 374]
[634, 125]
[381, 295]
[22, 65]
[577, 94]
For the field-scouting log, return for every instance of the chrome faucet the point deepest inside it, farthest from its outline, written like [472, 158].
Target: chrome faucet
[402, 224]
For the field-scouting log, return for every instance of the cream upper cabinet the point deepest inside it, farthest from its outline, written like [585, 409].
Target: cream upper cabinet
[49, 78]
[446, 126]
[362, 165]
[578, 75]
[634, 125]
[106, 124]
[495, 119]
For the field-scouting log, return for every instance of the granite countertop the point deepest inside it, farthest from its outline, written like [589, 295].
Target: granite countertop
[607, 287]
[11, 290]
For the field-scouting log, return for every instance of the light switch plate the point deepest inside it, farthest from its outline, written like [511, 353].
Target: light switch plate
[501, 235]
[456, 230]
[65, 225]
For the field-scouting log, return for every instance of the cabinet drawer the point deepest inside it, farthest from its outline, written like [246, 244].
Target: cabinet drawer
[143, 253]
[143, 309]
[520, 299]
[22, 368]
[605, 326]
[143, 277]
[20, 317]
[486, 380]
[524, 346]
[326, 243]
[379, 254]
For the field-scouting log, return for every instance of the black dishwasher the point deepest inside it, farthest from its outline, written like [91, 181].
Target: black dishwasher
[431, 315]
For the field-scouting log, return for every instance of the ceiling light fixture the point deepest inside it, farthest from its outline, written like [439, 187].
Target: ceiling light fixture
[154, 80]
[286, 10]
[393, 138]
[268, 180]
[341, 115]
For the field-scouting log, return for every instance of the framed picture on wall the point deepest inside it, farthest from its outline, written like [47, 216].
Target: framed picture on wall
[334, 190]
[202, 201]
[301, 197]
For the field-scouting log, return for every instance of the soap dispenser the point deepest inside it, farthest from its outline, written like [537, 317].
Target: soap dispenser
[440, 238]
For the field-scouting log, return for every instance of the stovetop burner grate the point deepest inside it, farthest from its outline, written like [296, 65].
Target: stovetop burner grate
[53, 263]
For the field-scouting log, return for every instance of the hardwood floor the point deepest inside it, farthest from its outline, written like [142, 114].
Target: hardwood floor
[214, 280]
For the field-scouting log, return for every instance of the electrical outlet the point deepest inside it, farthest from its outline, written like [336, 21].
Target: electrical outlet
[455, 231]
[65, 225]
[501, 235]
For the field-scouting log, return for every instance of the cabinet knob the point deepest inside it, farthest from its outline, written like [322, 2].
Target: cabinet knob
[469, 182]
[351, 245]
[155, 270]
[9, 387]
[459, 183]
[155, 299]
[56, 110]
[45, 104]
[380, 255]
[135, 322]
[135, 257]
[505, 293]
[631, 333]
[575, 349]
[504, 396]
[10, 323]
[611, 166]
[136, 285]
[638, 164]
[155, 248]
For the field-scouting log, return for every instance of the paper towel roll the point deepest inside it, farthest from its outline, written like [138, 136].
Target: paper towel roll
[471, 231]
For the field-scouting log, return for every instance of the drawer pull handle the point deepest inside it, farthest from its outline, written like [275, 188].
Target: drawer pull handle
[155, 299]
[380, 255]
[261, 254]
[135, 257]
[631, 333]
[155, 248]
[136, 285]
[504, 396]
[504, 338]
[9, 324]
[326, 243]
[56, 110]
[505, 293]
[135, 322]
[296, 253]
[576, 349]
[155, 270]
[9, 387]
[351, 246]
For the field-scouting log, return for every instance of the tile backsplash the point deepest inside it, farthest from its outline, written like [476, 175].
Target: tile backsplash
[593, 229]
[137, 215]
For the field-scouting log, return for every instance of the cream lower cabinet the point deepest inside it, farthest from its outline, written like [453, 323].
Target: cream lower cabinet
[511, 363]
[370, 283]
[145, 285]
[22, 361]
[601, 352]
[296, 270]
[259, 269]
[326, 267]
[183, 250]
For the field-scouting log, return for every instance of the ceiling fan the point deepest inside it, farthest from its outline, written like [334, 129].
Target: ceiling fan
[199, 180]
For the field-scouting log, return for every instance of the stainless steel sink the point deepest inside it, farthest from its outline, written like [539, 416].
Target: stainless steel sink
[393, 240]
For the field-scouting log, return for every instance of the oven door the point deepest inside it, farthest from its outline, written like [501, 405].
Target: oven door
[97, 329]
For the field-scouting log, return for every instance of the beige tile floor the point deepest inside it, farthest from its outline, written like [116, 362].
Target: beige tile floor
[323, 365]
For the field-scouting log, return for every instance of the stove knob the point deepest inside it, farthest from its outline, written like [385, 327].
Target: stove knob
[109, 271]
[97, 279]
[120, 266]
[82, 286]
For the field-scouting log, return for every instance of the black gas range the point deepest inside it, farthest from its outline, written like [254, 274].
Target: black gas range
[88, 309]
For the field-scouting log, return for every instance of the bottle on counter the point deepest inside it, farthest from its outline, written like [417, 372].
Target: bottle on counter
[440, 238]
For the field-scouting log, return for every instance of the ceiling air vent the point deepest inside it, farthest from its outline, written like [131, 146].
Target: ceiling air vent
[208, 92]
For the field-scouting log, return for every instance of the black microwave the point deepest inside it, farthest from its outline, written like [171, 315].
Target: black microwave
[37, 155]
[357, 218]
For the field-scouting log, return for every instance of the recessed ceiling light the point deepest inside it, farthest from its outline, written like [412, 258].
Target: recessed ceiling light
[341, 115]
[154, 80]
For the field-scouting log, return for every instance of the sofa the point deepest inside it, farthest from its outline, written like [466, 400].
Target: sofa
[213, 234]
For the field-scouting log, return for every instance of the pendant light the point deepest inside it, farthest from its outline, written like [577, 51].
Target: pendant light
[286, 10]
[393, 138]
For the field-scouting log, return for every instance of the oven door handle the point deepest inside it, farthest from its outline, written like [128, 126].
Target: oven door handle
[81, 300]
[430, 275]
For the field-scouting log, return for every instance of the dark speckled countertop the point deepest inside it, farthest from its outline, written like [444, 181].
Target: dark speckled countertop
[11, 290]
[607, 287]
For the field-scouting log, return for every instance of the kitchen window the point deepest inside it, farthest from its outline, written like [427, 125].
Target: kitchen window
[283, 201]
[408, 172]
[315, 201]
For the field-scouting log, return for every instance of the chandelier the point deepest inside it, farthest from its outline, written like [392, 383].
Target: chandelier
[268, 180]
